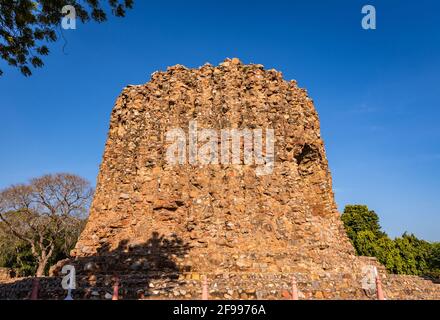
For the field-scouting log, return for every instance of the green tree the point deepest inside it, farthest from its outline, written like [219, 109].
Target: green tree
[415, 254]
[17, 255]
[359, 218]
[26, 26]
[388, 254]
[434, 260]
[45, 214]
[404, 255]
[365, 243]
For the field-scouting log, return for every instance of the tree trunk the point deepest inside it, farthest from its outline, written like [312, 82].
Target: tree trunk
[41, 266]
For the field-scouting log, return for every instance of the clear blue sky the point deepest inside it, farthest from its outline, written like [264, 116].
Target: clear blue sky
[377, 92]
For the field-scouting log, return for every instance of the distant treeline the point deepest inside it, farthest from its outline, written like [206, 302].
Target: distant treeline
[403, 255]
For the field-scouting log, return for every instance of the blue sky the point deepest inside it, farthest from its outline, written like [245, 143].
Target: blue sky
[376, 91]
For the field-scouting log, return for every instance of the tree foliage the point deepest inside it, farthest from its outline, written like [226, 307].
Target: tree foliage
[44, 217]
[358, 218]
[403, 255]
[434, 260]
[26, 26]
[17, 254]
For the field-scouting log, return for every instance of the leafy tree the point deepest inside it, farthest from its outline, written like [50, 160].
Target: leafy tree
[45, 214]
[26, 26]
[17, 255]
[365, 243]
[414, 252]
[388, 254]
[434, 260]
[359, 218]
[403, 255]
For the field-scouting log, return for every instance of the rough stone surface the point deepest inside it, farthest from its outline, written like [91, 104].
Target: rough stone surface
[6, 274]
[222, 219]
[162, 227]
[231, 218]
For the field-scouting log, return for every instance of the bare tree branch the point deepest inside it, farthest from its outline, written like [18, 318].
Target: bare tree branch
[43, 210]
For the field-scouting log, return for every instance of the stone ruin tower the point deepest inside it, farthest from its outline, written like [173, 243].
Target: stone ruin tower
[162, 226]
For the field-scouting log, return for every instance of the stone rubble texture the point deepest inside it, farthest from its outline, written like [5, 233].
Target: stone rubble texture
[232, 219]
[161, 227]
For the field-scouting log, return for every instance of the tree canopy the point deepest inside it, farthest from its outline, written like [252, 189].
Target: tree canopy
[403, 255]
[26, 26]
[42, 219]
